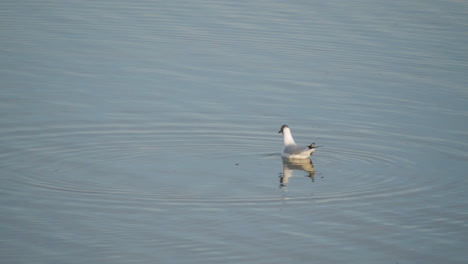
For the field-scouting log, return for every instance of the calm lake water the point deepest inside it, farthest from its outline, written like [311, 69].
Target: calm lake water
[146, 132]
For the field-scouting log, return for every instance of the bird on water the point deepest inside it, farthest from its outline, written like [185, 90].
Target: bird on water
[291, 149]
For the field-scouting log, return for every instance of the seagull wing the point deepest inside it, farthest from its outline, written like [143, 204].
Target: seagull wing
[295, 149]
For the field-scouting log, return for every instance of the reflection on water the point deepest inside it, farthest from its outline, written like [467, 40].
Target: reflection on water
[122, 124]
[291, 165]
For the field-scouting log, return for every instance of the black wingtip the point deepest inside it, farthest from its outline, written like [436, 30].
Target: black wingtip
[311, 146]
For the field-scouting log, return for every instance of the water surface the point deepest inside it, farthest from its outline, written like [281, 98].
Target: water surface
[147, 132]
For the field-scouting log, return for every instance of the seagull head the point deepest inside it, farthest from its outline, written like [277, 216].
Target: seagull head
[282, 128]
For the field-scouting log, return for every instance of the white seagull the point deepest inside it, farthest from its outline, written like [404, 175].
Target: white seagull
[291, 149]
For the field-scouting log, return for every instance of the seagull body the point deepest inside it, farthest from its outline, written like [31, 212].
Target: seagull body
[291, 149]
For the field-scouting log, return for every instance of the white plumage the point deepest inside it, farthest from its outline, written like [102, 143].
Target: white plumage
[291, 149]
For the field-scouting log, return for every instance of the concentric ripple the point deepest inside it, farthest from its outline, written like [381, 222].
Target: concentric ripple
[125, 161]
[159, 164]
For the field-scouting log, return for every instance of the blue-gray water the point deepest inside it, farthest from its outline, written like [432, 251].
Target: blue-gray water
[146, 131]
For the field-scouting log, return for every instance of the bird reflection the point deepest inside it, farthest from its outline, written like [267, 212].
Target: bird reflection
[290, 165]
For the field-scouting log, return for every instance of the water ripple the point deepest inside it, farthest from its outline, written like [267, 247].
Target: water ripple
[63, 155]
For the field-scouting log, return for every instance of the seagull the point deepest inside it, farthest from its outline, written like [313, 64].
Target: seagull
[293, 151]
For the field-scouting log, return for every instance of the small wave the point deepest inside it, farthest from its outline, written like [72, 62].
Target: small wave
[70, 159]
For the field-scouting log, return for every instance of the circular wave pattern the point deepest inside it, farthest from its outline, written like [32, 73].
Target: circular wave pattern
[65, 156]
